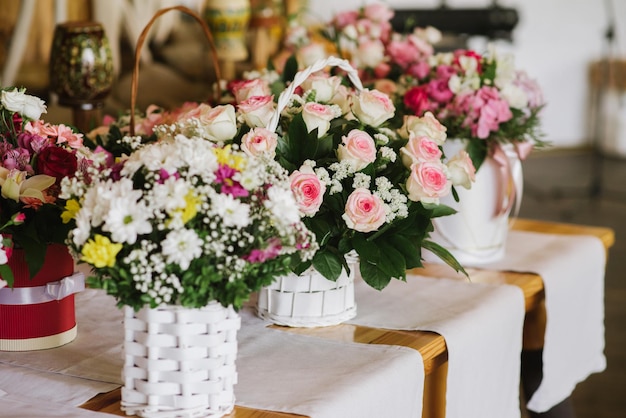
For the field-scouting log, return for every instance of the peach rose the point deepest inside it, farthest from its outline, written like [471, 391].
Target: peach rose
[427, 182]
[358, 147]
[419, 149]
[317, 116]
[373, 107]
[258, 141]
[461, 170]
[308, 190]
[364, 212]
[257, 110]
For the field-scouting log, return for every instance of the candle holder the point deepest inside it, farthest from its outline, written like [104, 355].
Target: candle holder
[81, 70]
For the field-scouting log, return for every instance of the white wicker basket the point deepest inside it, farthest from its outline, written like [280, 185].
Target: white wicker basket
[309, 300]
[180, 362]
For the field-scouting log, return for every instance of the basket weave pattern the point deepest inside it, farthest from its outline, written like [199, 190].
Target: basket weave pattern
[180, 362]
[309, 299]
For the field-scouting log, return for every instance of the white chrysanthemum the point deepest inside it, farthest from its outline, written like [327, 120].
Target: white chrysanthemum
[170, 194]
[197, 154]
[81, 233]
[181, 247]
[126, 219]
[282, 205]
[231, 211]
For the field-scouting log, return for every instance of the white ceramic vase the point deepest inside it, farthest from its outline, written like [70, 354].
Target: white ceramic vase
[180, 361]
[477, 233]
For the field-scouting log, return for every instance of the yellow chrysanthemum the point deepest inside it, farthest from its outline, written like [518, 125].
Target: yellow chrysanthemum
[226, 156]
[71, 208]
[100, 252]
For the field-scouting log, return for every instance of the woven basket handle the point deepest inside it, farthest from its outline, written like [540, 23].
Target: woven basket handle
[301, 76]
[141, 41]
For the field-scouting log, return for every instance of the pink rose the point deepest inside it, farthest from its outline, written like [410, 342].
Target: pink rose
[373, 107]
[378, 12]
[317, 116]
[357, 147]
[461, 170]
[427, 182]
[258, 141]
[403, 52]
[308, 190]
[419, 149]
[257, 110]
[250, 88]
[343, 19]
[365, 212]
[428, 125]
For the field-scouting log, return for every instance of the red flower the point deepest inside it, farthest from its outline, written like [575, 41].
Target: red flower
[56, 162]
[416, 99]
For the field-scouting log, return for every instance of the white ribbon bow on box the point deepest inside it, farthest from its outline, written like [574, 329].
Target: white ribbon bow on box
[41, 294]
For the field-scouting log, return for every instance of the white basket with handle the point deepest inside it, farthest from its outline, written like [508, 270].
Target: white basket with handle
[309, 299]
[180, 362]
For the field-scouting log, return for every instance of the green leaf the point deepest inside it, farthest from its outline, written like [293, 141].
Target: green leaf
[290, 69]
[477, 151]
[444, 255]
[410, 250]
[328, 264]
[7, 274]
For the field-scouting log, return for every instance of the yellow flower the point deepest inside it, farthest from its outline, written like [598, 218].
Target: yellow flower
[71, 208]
[189, 211]
[100, 252]
[225, 156]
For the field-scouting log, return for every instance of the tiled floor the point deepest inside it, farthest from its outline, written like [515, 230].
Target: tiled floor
[559, 187]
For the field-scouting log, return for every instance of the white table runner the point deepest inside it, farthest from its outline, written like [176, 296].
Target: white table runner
[572, 268]
[285, 372]
[482, 325]
[277, 370]
[19, 406]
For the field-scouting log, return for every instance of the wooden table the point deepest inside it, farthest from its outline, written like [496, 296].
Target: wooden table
[431, 346]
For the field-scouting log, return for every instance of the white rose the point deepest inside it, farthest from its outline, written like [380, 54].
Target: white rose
[220, 123]
[325, 87]
[310, 54]
[428, 125]
[30, 107]
[461, 170]
[373, 107]
[369, 54]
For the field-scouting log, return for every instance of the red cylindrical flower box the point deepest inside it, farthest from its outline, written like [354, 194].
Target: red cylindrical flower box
[37, 326]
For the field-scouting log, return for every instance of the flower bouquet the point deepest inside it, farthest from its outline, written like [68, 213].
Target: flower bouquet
[367, 194]
[181, 231]
[37, 305]
[490, 109]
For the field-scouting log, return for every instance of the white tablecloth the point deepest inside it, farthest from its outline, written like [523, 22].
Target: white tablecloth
[572, 268]
[482, 325]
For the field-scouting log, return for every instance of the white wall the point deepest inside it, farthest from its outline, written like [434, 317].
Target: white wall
[555, 41]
